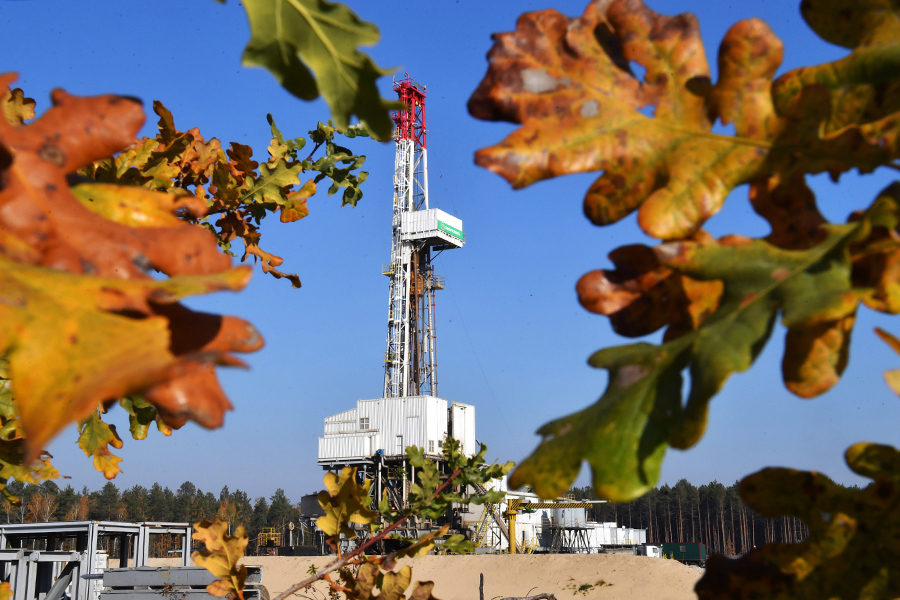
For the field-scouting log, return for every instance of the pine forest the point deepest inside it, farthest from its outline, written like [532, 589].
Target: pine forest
[712, 514]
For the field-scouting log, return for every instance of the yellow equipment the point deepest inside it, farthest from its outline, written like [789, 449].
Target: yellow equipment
[515, 505]
[268, 534]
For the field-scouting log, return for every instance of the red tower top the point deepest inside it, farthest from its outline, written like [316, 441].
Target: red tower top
[410, 121]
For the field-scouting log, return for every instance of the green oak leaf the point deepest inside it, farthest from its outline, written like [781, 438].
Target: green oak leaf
[310, 46]
[140, 415]
[273, 178]
[624, 435]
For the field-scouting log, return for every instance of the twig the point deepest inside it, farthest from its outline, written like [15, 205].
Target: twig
[319, 145]
[538, 597]
[341, 562]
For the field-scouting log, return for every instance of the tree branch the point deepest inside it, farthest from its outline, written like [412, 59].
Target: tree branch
[346, 559]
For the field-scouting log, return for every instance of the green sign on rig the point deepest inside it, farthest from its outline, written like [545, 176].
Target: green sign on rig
[457, 233]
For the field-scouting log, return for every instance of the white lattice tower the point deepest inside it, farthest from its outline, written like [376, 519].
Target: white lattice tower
[416, 230]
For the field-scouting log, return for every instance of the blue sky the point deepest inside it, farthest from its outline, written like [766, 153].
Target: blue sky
[512, 338]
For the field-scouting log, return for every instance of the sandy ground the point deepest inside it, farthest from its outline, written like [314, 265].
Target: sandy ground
[605, 576]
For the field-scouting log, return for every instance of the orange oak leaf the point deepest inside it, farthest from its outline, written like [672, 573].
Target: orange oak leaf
[815, 356]
[270, 261]
[641, 296]
[37, 208]
[81, 319]
[570, 84]
[789, 206]
[241, 163]
[294, 206]
[554, 75]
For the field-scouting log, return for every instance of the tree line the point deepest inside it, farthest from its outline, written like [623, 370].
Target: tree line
[711, 514]
[48, 502]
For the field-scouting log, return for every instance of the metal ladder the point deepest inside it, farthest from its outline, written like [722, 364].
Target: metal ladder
[482, 528]
[492, 510]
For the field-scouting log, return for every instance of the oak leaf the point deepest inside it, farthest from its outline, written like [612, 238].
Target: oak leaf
[310, 46]
[394, 584]
[81, 320]
[140, 415]
[569, 83]
[293, 207]
[859, 92]
[422, 591]
[12, 444]
[269, 262]
[789, 206]
[344, 502]
[838, 559]
[95, 439]
[640, 295]
[75, 343]
[221, 557]
[625, 434]
[363, 585]
[16, 107]
[59, 232]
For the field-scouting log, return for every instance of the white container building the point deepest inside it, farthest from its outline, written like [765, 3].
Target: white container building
[433, 224]
[387, 426]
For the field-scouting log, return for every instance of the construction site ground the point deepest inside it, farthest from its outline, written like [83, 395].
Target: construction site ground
[606, 576]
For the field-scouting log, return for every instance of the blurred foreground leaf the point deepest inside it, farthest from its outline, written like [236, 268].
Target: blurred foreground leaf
[852, 535]
[310, 46]
[82, 321]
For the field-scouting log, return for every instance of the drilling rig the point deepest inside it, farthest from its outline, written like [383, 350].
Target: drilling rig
[374, 435]
[417, 230]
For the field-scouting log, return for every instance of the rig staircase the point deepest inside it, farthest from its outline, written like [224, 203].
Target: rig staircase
[492, 510]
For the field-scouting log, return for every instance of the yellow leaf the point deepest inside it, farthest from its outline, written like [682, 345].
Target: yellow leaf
[362, 585]
[394, 584]
[137, 206]
[95, 439]
[16, 108]
[344, 502]
[221, 557]
[75, 343]
[422, 591]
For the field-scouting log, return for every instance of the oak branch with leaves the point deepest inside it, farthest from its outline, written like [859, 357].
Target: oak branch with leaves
[568, 83]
